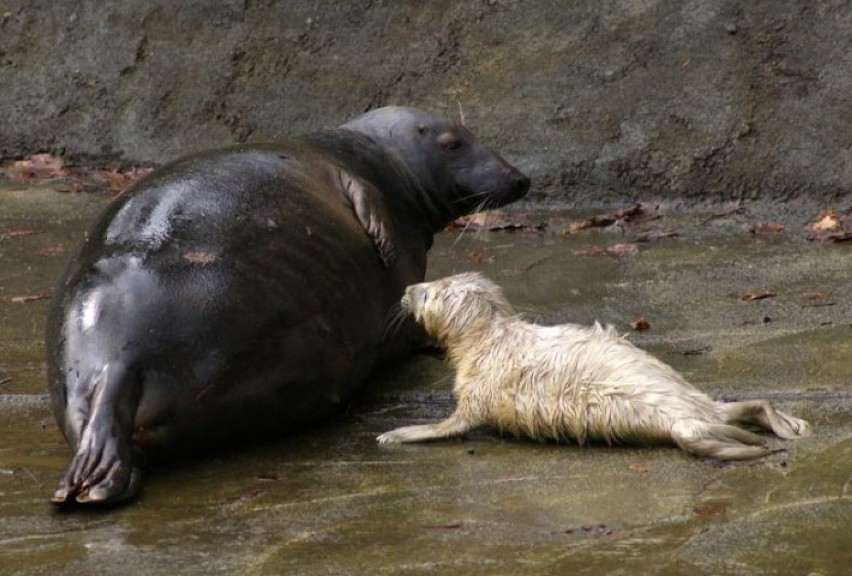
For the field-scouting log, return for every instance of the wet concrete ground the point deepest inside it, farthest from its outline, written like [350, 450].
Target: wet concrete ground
[331, 501]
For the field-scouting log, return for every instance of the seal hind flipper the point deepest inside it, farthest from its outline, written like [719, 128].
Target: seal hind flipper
[761, 413]
[102, 468]
[720, 441]
[371, 215]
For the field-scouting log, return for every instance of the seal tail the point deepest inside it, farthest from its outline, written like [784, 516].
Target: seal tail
[102, 468]
[720, 441]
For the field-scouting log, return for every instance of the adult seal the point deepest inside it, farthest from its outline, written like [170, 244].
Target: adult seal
[247, 290]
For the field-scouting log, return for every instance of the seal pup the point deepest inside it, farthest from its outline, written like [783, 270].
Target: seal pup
[245, 291]
[571, 382]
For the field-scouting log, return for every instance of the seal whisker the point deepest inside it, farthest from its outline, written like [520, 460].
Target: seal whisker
[479, 194]
[475, 212]
[395, 319]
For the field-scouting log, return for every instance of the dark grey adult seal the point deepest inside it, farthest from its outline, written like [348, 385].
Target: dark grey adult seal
[246, 291]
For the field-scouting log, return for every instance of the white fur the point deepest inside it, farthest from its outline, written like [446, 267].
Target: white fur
[570, 382]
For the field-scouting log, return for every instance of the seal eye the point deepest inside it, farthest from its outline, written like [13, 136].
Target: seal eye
[449, 142]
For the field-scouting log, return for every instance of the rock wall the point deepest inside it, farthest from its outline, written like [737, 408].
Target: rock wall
[694, 99]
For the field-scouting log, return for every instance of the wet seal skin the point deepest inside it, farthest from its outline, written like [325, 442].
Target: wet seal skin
[571, 382]
[246, 291]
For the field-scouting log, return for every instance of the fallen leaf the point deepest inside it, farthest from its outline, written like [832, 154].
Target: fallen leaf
[639, 467]
[730, 208]
[496, 222]
[655, 235]
[52, 250]
[449, 526]
[271, 477]
[766, 228]
[120, 180]
[38, 166]
[752, 296]
[616, 250]
[822, 298]
[27, 298]
[710, 509]
[827, 220]
[601, 221]
[19, 232]
[622, 249]
[696, 351]
[478, 257]
[200, 257]
[641, 324]
[639, 212]
[841, 236]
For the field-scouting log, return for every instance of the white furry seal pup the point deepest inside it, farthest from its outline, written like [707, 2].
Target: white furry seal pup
[571, 382]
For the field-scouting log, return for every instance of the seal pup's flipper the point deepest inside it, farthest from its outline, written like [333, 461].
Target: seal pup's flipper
[455, 425]
[102, 469]
[761, 413]
[371, 214]
[720, 441]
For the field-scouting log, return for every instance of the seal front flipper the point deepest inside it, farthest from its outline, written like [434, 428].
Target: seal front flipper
[102, 469]
[371, 214]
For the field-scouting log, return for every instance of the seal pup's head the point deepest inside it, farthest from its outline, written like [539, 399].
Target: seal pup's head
[459, 175]
[456, 307]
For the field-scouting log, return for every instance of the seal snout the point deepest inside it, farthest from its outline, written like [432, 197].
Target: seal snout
[517, 183]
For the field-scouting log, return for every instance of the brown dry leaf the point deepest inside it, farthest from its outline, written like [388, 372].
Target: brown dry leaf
[38, 166]
[118, 181]
[622, 249]
[655, 235]
[731, 208]
[26, 299]
[842, 236]
[135, 174]
[616, 250]
[18, 232]
[52, 250]
[639, 467]
[270, 477]
[697, 351]
[752, 296]
[495, 222]
[766, 228]
[202, 258]
[827, 220]
[601, 221]
[815, 299]
[478, 257]
[639, 212]
[710, 509]
[641, 324]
